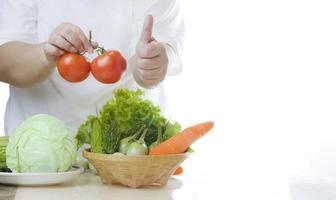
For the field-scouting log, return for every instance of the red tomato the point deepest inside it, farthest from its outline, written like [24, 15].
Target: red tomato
[73, 67]
[123, 62]
[108, 67]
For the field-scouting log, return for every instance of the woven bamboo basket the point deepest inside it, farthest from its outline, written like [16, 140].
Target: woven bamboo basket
[135, 171]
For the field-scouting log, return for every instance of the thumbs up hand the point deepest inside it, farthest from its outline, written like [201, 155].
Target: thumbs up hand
[150, 62]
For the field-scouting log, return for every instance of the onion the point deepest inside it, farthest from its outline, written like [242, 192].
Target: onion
[124, 143]
[138, 147]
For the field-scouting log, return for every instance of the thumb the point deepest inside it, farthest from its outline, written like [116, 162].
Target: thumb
[146, 35]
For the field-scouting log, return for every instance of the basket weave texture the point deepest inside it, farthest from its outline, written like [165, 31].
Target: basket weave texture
[135, 171]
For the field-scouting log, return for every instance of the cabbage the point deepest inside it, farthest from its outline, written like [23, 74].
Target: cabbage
[41, 143]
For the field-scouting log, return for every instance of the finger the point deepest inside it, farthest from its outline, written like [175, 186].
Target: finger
[73, 39]
[52, 50]
[94, 44]
[87, 45]
[146, 35]
[148, 64]
[151, 74]
[150, 83]
[150, 50]
[63, 44]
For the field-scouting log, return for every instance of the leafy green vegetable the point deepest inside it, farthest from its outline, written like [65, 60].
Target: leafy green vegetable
[3, 145]
[121, 117]
[85, 131]
[5, 170]
[158, 140]
[129, 109]
[190, 150]
[111, 138]
[171, 130]
[96, 138]
[3, 164]
[41, 143]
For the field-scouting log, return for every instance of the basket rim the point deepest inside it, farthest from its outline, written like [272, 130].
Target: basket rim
[162, 155]
[90, 154]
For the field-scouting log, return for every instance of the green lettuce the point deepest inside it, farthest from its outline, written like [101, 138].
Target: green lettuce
[121, 117]
[128, 109]
[84, 132]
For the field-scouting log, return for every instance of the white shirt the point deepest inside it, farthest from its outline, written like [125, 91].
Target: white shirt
[116, 24]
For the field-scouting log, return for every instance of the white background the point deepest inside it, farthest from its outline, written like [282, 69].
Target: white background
[264, 71]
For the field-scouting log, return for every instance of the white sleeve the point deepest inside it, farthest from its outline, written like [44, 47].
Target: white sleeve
[168, 28]
[18, 21]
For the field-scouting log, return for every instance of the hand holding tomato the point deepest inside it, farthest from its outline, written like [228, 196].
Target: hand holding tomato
[73, 67]
[151, 61]
[67, 38]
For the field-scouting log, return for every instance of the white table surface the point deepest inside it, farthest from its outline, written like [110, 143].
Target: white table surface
[309, 188]
[88, 186]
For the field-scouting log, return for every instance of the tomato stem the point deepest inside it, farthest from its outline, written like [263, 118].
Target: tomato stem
[90, 36]
[100, 50]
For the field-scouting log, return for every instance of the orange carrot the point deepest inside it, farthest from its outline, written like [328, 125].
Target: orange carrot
[178, 171]
[179, 143]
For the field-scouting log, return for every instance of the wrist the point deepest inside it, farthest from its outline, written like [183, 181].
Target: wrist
[174, 61]
[47, 60]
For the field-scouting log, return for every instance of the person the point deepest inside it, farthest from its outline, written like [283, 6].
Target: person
[35, 33]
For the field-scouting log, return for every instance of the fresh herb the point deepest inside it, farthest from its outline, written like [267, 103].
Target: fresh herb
[111, 137]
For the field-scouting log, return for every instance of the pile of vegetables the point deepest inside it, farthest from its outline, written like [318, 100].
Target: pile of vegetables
[130, 125]
[127, 124]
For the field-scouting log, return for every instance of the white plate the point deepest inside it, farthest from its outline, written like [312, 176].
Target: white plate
[39, 179]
